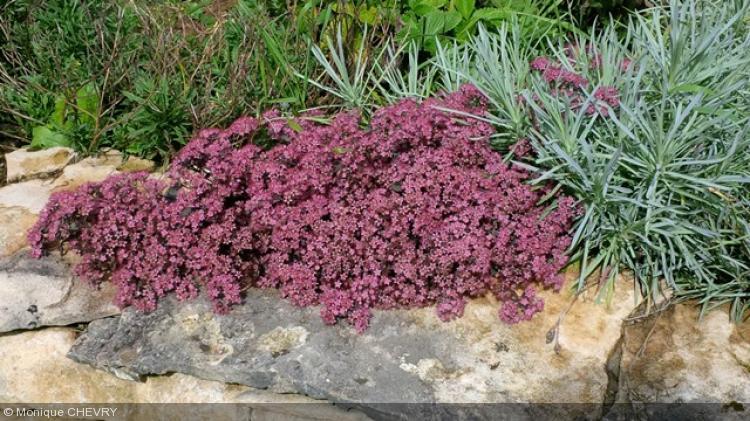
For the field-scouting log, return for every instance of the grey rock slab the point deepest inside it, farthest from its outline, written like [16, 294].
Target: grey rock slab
[43, 292]
[406, 360]
[265, 344]
[34, 370]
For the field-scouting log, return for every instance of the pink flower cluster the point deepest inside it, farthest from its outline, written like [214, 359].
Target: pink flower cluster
[571, 85]
[411, 211]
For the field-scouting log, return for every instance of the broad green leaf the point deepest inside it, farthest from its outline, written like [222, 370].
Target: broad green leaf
[490, 14]
[414, 3]
[435, 3]
[465, 7]
[434, 23]
[58, 116]
[452, 20]
[487, 15]
[45, 137]
[368, 15]
[423, 9]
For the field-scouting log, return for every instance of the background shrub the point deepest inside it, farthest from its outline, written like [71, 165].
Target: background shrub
[142, 76]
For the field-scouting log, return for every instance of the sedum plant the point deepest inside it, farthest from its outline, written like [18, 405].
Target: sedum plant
[413, 210]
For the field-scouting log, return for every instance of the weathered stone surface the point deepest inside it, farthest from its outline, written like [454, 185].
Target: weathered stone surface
[43, 292]
[134, 164]
[34, 369]
[97, 168]
[31, 195]
[674, 357]
[24, 164]
[14, 224]
[405, 356]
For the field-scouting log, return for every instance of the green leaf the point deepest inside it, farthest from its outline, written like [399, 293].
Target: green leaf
[430, 43]
[424, 9]
[452, 20]
[369, 15]
[294, 125]
[490, 14]
[436, 3]
[691, 88]
[58, 116]
[434, 23]
[87, 101]
[487, 15]
[45, 137]
[465, 7]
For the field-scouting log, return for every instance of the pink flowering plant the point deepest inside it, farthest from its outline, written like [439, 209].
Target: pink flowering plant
[413, 210]
[563, 82]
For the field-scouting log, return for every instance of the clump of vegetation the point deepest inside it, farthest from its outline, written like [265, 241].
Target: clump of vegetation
[142, 76]
[663, 176]
[411, 211]
[428, 22]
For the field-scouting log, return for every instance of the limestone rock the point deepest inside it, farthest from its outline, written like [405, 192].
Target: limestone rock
[405, 356]
[43, 292]
[675, 357]
[31, 195]
[135, 164]
[97, 168]
[34, 369]
[14, 224]
[25, 164]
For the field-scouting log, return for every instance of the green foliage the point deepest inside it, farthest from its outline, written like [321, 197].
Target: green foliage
[78, 113]
[354, 88]
[664, 181]
[587, 12]
[217, 60]
[143, 75]
[161, 124]
[428, 22]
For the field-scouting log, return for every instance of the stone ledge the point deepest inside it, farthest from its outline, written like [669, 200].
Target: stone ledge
[24, 164]
[406, 356]
[43, 292]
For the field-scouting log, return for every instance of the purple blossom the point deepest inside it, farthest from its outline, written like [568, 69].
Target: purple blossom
[570, 85]
[608, 94]
[540, 63]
